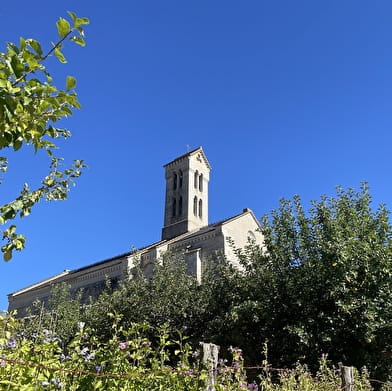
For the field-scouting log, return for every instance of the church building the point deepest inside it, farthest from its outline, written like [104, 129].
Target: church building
[186, 232]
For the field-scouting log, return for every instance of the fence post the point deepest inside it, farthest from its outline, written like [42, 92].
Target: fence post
[210, 359]
[347, 374]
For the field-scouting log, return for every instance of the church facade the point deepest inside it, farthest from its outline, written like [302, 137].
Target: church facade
[186, 232]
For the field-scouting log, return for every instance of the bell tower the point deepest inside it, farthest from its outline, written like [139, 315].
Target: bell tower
[186, 200]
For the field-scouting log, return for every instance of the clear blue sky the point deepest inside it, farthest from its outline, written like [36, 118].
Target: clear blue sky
[286, 97]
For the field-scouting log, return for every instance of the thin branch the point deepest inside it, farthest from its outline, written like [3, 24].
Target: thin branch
[17, 81]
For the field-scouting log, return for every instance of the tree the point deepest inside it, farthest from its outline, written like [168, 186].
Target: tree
[322, 285]
[30, 107]
[170, 296]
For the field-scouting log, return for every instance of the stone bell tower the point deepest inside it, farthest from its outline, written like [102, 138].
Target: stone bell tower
[186, 201]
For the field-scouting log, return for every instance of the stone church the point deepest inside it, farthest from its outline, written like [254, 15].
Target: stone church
[186, 231]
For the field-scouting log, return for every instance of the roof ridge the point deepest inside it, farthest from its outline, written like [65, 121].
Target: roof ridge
[37, 284]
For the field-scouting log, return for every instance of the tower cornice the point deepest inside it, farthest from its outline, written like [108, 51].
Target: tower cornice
[187, 155]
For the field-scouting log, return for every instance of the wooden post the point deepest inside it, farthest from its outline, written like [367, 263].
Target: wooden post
[210, 358]
[347, 374]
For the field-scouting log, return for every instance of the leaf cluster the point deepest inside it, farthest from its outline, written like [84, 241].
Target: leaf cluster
[31, 105]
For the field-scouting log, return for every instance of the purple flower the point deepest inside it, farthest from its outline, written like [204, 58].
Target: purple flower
[189, 372]
[195, 354]
[11, 343]
[253, 386]
[183, 328]
[122, 345]
[2, 363]
[98, 368]
[236, 366]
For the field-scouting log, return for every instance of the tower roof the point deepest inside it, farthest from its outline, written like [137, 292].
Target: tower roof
[191, 153]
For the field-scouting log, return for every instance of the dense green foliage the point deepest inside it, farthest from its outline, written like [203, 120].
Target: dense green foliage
[321, 285]
[171, 297]
[60, 314]
[30, 107]
[130, 361]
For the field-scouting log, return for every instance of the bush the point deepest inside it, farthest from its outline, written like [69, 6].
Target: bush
[131, 361]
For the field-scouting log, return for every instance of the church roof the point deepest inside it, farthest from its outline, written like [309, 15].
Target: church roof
[41, 283]
[187, 235]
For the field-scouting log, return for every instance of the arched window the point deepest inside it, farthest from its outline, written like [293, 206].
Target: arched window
[180, 206]
[195, 206]
[200, 208]
[180, 179]
[201, 182]
[174, 209]
[195, 179]
[175, 181]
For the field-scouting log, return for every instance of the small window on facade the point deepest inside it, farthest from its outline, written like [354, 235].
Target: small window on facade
[175, 181]
[174, 207]
[201, 182]
[195, 206]
[195, 179]
[200, 208]
[180, 206]
[180, 179]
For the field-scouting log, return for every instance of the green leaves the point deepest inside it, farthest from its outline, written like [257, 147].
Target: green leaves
[63, 27]
[17, 66]
[36, 46]
[59, 55]
[30, 107]
[78, 40]
[70, 83]
[331, 274]
[78, 21]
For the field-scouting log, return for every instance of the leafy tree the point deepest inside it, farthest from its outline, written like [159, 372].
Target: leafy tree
[321, 285]
[30, 107]
[170, 297]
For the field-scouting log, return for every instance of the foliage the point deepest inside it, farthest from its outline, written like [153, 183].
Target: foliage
[170, 296]
[321, 285]
[130, 361]
[60, 314]
[30, 107]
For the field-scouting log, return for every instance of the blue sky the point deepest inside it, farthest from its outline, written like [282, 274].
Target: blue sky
[286, 97]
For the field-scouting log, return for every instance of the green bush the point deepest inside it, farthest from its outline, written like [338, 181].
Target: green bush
[130, 361]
